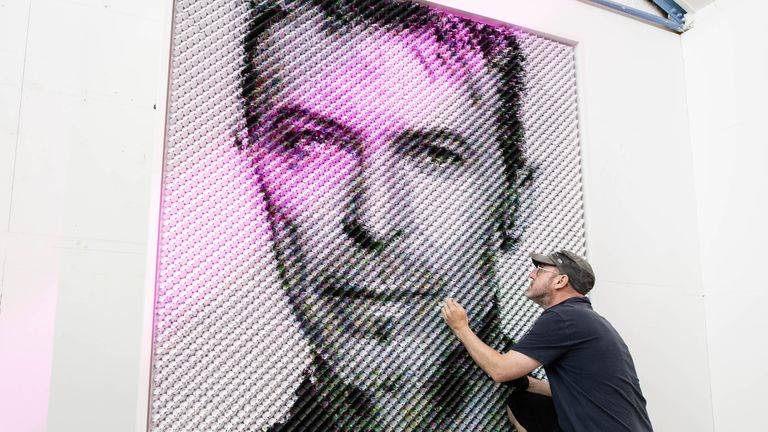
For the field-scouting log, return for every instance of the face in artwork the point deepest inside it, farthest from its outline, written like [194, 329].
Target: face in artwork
[385, 186]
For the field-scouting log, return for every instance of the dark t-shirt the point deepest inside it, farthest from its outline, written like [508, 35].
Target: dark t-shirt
[591, 373]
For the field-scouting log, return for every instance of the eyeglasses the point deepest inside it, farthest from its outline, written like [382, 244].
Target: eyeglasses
[539, 268]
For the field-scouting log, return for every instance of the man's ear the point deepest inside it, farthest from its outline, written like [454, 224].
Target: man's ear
[562, 281]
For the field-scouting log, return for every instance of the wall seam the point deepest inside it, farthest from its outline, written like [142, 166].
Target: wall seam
[18, 118]
[16, 148]
[703, 292]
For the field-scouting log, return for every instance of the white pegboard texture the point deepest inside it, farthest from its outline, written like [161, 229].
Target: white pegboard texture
[229, 353]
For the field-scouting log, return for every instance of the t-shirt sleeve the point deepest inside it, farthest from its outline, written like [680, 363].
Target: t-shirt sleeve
[547, 340]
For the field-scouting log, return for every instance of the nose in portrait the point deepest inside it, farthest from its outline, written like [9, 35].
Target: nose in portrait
[375, 220]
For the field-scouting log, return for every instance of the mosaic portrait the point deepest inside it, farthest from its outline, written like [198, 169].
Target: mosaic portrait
[333, 171]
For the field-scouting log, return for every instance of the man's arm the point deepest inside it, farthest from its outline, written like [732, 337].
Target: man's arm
[500, 367]
[538, 386]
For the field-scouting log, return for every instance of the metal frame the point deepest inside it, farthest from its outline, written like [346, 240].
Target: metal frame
[676, 14]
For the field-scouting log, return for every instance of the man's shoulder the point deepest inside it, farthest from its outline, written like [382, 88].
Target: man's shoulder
[549, 332]
[551, 317]
[577, 321]
[574, 310]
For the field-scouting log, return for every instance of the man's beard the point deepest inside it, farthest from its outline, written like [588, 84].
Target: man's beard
[538, 295]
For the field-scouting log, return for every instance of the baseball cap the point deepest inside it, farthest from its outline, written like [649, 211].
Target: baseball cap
[578, 270]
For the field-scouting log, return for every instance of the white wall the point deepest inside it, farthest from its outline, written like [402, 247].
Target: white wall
[726, 63]
[78, 151]
[78, 82]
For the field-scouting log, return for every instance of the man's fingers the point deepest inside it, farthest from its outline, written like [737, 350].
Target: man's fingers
[451, 306]
[454, 305]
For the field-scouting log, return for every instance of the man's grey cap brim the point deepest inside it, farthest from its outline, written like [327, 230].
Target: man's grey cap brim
[542, 259]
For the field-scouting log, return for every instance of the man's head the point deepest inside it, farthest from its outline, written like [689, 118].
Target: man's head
[387, 141]
[558, 275]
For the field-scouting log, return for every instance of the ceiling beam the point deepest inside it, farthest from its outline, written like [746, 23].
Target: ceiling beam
[675, 20]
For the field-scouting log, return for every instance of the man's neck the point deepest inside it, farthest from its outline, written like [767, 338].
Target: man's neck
[559, 297]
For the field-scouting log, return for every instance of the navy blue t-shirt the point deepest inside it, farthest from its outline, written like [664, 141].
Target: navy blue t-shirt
[591, 373]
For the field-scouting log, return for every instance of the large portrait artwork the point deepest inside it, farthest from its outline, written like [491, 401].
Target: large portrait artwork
[333, 170]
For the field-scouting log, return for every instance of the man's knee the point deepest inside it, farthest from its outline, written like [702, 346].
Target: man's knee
[534, 412]
[513, 420]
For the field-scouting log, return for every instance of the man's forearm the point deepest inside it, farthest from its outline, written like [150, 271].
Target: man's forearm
[500, 367]
[538, 386]
[489, 360]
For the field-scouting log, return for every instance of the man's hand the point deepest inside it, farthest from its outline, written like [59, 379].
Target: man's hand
[454, 315]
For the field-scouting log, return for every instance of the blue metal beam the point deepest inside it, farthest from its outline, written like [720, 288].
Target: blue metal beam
[675, 22]
[675, 12]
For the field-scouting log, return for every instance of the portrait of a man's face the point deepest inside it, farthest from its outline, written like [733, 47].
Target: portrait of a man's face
[375, 162]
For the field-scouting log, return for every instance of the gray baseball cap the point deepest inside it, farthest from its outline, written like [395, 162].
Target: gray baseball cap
[578, 270]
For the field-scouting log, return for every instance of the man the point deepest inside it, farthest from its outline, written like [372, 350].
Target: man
[386, 139]
[592, 377]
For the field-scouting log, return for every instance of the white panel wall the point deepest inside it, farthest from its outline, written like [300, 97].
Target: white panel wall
[727, 77]
[79, 140]
[78, 82]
